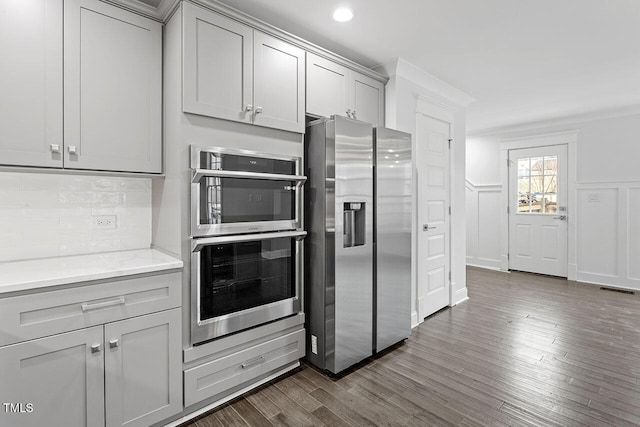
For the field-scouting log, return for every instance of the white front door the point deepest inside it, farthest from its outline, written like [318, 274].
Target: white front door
[538, 210]
[433, 214]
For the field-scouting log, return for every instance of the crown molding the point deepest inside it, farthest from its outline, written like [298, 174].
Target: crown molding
[571, 120]
[443, 91]
[161, 13]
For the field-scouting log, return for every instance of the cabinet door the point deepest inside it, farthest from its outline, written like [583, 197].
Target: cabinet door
[113, 89]
[61, 376]
[218, 65]
[143, 368]
[327, 87]
[278, 84]
[31, 83]
[368, 99]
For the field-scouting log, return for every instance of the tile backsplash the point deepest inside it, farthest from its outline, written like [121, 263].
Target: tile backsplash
[46, 215]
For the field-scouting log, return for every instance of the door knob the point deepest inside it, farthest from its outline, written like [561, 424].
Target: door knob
[426, 227]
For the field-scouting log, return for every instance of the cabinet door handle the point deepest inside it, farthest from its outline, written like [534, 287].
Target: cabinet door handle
[349, 113]
[427, 227]
[73, 149]
[114, 343]
[256, 361]
[353, 114]
[89, 307]
[96, 348]
[55, 148]
[248, 108]
[258, 110]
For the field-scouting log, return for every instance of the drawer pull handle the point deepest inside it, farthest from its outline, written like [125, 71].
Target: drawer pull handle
[256, 361]
[97, 305]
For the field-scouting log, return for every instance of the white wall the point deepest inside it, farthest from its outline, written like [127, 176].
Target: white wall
[47, 215]
[407, 84]
[607, 212]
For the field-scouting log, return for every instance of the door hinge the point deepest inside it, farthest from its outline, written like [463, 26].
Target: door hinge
[507, 256]
[508, 163]
[449, 210]
[450, 141]
[508, 210]
[449, 276]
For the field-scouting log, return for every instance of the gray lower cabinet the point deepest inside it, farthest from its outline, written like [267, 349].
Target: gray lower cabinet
[125, 373]
[143, 367]
[54, 381]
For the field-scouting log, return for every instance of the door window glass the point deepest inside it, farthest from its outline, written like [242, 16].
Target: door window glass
[538, 185]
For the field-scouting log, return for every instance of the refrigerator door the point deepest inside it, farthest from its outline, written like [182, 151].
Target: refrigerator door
[393, 237]
[353, 243]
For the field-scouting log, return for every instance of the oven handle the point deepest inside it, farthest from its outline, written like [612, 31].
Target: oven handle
[198, 174]
[198, 244]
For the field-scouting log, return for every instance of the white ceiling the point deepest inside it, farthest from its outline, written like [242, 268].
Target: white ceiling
[523, 60]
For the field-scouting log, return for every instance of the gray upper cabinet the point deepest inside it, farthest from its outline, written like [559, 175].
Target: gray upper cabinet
[335, 89]
[278, 83]
[62, 376]
[218, 65]
[112, 89]
[367, 96]
[327, 87]
[111, 104]
[31, 83]
[233, 72]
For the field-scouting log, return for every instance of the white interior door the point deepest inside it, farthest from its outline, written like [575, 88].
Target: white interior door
[433, 214]
[538, 210]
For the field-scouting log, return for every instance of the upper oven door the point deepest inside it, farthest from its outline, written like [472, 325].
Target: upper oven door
[235, 191]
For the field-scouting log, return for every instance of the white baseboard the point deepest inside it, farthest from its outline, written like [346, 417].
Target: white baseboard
[461, 295]
[488, 268]
[611, 281]
[414, 319]
[572, 272]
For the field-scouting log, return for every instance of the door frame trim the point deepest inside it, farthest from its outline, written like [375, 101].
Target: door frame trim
[435, 109]
[568, 138]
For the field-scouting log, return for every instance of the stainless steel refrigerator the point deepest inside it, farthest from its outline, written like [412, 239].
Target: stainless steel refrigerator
[392, 236]
[349, 319]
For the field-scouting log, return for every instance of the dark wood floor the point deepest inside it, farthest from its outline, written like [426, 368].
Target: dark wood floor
[524, 350]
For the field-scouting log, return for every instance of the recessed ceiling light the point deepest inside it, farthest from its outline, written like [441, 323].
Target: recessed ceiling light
[343, 14]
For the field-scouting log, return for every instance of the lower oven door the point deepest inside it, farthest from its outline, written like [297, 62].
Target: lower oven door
[238, 282]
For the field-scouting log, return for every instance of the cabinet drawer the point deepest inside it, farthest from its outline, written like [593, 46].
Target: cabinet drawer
[33, 316]
[234, 370]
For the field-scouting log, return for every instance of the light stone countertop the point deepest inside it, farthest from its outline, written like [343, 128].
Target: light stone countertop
[46, 272]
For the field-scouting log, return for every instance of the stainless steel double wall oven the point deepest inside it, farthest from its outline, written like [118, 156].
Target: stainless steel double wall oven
[246, 229]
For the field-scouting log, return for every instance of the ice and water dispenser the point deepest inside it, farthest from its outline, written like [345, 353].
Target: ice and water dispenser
[354, 215]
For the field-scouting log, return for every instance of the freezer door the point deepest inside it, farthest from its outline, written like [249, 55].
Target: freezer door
[353, 243]
[393, 237]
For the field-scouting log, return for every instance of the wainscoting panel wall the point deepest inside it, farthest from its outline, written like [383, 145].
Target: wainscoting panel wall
[483, 225]
[608, 238]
